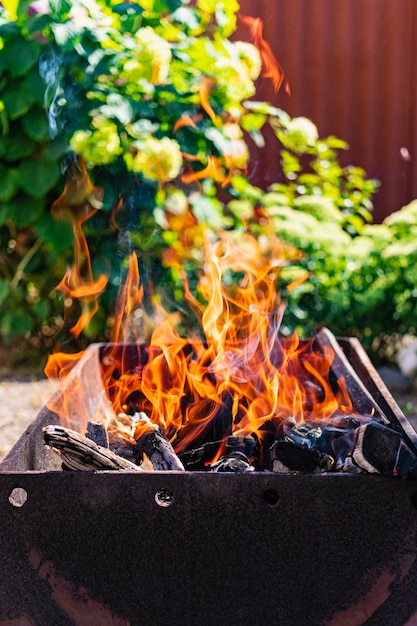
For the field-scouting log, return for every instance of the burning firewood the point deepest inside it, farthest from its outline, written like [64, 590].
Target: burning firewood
[80, 453]
[97, 432]
[156, 447]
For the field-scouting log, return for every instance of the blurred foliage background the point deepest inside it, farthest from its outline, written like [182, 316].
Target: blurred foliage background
[129, 124]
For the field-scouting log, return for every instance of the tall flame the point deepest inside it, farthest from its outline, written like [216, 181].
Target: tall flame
[238, 373]
[272, 68]
[235, 375]
[77, 203]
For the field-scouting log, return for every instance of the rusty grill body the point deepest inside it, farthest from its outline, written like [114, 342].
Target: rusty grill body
[293, 549]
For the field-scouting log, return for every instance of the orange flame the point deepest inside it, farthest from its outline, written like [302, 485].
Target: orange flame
[206, 86]
[236, 377]
[212, 170]
[272, 68]
[186, 120]
[77, 203]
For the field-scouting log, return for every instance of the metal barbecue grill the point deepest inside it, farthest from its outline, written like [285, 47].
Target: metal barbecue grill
[163, 548]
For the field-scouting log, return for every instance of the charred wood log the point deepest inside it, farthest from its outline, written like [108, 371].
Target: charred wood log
[97, 432]
[197, 458]
[287, 455]
[245, 445]
[159, 451]
[200, 458]
[379, 449]
[80, 453]
[156, 447]
[120, 431]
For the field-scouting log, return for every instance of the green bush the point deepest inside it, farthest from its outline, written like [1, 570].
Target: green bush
[32, 243]
[143, 111]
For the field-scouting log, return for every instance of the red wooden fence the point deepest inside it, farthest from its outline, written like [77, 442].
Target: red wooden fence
[351, 66]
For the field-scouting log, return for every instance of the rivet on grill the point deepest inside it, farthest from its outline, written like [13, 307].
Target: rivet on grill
[18, 496]
[164, 497]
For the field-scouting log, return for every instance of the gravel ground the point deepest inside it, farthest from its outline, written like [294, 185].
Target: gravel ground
[20, 402]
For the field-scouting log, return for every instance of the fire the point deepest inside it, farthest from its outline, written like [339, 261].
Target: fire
[236, 377]
[78, 202]
[272, 70]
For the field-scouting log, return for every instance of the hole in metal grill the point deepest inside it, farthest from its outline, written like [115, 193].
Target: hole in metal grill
[271, 496]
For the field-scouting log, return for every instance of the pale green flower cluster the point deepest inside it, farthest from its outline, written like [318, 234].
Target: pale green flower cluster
[176, 201]
[149, 59]
[157, 159]
[233, 74]
[99, 146]
[300, 134]
[249, 55]
[321, 207]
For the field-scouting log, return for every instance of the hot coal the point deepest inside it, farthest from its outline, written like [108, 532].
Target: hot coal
[349, 444]
[234, 462]
[287, 455]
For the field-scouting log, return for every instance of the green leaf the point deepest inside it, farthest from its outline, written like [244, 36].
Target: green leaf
[9, 29]
[61, 7]
[15, 322]
[336, 143]
[22, 7]
[127, 8]
[253, 121]
[42, 309]
[55, 149]
[161, 6]
[209, 210]
[258, 138]
[21, 55]
[9, 183]
[243, 209]
[38, 176]
[117, 107]
[34, 87]
[16, 145]
[187, 17]
[4, 289]
[66, 33]
[23, 210]
[36, 125]
[266, 108]
[57, 233]
[242, 185]
[220, 141]
[16, 101]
